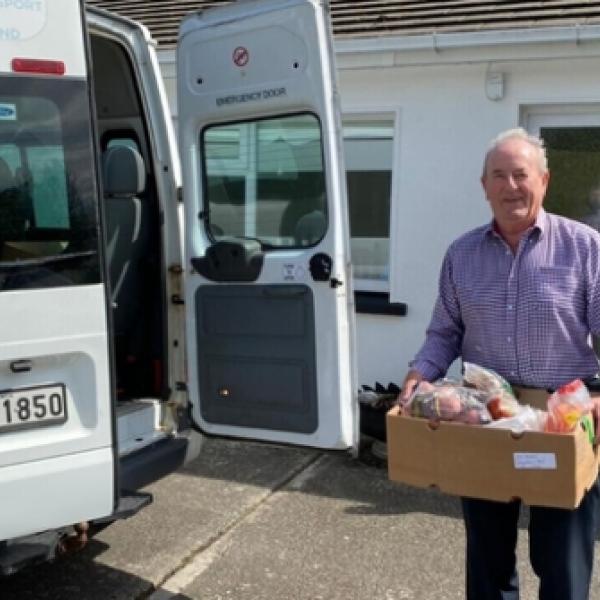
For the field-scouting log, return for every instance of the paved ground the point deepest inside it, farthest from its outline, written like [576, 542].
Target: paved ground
[250, 521]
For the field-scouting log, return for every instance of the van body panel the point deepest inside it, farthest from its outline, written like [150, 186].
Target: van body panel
[72, 352]
[54, 492]
[56, 420]
[27, 31]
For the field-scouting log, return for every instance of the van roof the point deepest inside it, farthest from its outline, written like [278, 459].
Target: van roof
[377, 18]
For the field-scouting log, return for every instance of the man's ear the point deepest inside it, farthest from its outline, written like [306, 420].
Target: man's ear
[482, 179]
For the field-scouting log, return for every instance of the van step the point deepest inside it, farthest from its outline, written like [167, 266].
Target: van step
[138, 425]
[130, 503]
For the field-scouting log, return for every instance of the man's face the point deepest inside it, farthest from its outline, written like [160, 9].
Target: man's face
[514, 185]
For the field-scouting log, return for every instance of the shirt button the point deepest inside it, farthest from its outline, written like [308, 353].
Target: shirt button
[513, 373]
[509, 307]
[509, 339]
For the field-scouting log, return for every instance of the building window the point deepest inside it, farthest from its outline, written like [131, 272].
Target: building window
[571, 135]
[368, 149]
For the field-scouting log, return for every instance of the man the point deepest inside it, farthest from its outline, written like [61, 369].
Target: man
[520, 296]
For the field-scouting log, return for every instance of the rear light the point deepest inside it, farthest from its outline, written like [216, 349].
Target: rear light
[34, 65]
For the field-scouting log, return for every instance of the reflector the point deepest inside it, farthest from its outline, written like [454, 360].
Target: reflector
[35, 65]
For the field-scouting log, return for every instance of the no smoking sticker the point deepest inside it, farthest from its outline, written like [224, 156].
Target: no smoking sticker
[241, 56]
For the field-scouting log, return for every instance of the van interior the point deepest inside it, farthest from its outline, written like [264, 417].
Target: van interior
[131, 213]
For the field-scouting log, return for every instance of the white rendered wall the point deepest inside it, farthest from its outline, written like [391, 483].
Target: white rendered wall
[446, 122]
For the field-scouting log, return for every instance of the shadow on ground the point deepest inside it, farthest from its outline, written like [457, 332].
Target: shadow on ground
[75, 576]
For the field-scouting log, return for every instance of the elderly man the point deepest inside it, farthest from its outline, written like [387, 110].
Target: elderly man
[520, 295]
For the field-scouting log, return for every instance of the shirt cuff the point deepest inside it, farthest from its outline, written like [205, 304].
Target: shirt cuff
[429, 371]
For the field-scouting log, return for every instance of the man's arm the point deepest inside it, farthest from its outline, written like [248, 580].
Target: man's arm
[444, 335]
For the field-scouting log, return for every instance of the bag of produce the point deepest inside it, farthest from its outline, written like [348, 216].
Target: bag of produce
[567, 406]
[444, 401]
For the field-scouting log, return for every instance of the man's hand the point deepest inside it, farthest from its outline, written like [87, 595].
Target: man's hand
[412, 379]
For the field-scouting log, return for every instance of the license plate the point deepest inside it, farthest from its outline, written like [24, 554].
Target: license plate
[32, 407]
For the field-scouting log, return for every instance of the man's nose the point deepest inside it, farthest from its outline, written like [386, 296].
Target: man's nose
[512, 182]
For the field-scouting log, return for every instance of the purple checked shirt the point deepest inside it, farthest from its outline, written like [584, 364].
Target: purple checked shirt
[529, 315]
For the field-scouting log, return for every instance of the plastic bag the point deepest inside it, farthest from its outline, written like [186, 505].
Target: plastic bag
[567, 406]
[526, 419]
[485, 379]
[500, 400]
[447, 402]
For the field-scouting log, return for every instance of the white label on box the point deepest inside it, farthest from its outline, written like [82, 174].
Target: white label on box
[534, 460]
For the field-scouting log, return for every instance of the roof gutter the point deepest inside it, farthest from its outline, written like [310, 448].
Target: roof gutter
[575, 34]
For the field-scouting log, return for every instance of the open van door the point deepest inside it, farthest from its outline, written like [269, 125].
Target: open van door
[269, 302]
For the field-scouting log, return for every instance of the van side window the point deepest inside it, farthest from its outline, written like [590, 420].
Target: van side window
[47, 183]
[265, 179]
[48, 203]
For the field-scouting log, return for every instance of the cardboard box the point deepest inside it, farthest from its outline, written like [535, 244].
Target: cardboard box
[544, 469]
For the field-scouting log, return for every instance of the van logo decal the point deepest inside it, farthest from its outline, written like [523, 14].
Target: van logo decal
[241, 56]
[21, 19]
[8, 112]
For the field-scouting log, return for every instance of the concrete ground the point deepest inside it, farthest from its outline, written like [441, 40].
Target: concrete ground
[250, 521]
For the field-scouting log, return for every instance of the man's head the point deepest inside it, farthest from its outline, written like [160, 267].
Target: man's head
[515, 177]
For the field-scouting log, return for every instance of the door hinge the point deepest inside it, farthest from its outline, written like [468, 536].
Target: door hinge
[181, 386]
[177, 299]
[334, 282]
[176, 269]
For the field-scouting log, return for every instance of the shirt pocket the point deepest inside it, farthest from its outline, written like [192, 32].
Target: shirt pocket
[559, 286]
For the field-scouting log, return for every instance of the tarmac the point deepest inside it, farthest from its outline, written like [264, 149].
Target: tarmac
[252, 521]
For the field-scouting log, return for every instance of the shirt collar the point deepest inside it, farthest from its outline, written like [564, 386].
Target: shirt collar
[540, 225]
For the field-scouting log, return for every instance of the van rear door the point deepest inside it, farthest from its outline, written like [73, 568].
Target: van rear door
[56, 437]
[268, 291]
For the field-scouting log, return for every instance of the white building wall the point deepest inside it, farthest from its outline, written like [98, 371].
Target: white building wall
[446, 121]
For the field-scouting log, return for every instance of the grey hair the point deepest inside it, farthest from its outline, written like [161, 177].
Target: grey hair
[518, 133]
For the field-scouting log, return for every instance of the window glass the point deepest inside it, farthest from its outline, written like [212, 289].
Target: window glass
[48, 186]
[48, 203]
[368, 148]
[265, 180]
[574, 162]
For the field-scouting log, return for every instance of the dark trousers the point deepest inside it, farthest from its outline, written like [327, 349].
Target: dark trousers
[561, 548]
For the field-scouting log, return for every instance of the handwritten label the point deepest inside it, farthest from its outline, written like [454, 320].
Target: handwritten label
[534, 460]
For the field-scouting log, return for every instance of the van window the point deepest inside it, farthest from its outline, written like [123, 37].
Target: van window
[48, 206]
[265, 179]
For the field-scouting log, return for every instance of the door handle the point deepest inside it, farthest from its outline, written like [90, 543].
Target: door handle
[21, 366]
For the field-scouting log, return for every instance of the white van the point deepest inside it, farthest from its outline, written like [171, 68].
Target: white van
[99, 309]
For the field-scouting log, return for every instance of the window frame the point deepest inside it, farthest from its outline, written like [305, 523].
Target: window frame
[388, 114]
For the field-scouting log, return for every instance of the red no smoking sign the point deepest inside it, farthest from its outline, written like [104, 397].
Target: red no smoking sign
[241, 56]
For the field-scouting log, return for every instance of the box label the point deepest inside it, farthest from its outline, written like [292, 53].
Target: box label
[534, 460]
